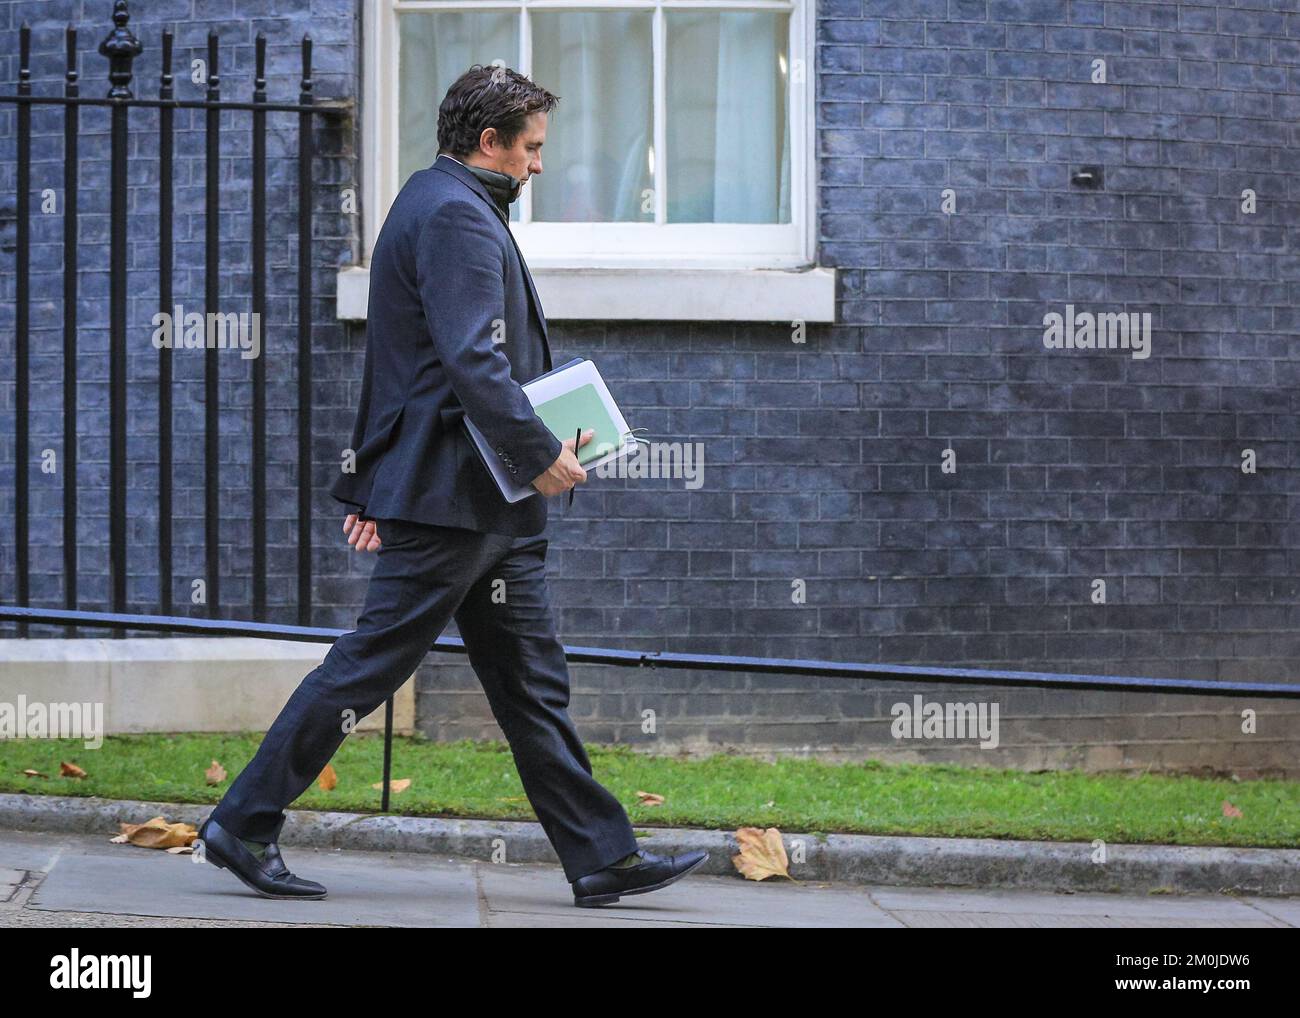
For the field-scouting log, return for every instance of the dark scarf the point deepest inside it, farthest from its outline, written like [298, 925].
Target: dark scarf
[503, 187]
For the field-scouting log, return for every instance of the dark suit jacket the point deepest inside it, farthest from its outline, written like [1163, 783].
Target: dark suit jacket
[453, 327]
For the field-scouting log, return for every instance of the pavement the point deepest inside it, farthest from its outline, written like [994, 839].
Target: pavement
[82, 881]
[867, 860]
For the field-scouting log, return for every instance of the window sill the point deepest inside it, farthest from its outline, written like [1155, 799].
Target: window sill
[660, 295]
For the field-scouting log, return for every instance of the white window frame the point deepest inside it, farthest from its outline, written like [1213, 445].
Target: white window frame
[754, 272]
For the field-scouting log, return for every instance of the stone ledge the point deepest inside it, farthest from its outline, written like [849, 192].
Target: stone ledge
[182, 684]
[654, 294]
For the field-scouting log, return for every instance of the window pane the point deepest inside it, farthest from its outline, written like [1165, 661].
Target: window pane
[728, 116]
[436, 48]
[596, 161]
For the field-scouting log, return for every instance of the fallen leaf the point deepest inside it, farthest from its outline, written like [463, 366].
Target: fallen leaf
[328, 779]
[180, 849]
[34, 774]
[762, 854]
[396, 785]
[70, 770]
[649, 799]
[215, 774]
[1229, 810]
[156, 833]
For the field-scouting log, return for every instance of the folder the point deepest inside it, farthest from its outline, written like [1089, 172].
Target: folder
[566, 398]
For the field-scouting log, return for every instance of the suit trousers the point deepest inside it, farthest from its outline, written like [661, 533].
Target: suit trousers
[495, 588]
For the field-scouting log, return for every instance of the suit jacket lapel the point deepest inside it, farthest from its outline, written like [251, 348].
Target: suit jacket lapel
[452, 166]
[537, 303]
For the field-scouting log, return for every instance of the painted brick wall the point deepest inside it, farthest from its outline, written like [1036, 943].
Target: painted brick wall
[1072, 466]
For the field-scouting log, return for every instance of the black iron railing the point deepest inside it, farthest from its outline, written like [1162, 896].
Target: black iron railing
[121, 48]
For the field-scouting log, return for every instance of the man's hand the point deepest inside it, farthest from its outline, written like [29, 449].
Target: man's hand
[566, 471]
[363, 536]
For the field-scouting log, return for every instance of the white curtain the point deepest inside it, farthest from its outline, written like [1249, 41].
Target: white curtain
[747, 169]
[436, 48]
[596, 160]
[727, 116]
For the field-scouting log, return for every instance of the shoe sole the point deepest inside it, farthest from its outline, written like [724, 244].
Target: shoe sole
[591, 900]
[222, 863]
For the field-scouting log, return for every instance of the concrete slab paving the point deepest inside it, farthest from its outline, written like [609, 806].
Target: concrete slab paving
[1009, 902]
[23, 851]
[526, 895]
[76, 881]
[34, 918]
[10, 881]
[1285, 910]
[923, 908]
[89, 874]
[933, 919]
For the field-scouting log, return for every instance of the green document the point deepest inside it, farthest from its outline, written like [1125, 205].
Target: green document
[581, 408]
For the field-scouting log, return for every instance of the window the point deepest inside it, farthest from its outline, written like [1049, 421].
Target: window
[682, 138]
[679, 169]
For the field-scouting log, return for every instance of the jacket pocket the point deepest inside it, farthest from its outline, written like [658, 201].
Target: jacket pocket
[378, 442]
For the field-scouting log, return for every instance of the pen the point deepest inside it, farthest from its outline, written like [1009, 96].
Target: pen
[576, 439]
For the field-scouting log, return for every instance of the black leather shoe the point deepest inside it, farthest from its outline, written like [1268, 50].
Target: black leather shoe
[652, 873]
[269, 877]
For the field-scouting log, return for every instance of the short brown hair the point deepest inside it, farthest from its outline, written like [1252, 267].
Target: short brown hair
[488, 96]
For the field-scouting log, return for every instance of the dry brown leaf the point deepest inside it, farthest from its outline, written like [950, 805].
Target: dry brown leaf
[156, 833]
[70, 770]
[1229, 810]
[649, 799]
[762, 854]
[215, 774]
[180, 849]
[396, 785]
[34, 774]
[328, 779]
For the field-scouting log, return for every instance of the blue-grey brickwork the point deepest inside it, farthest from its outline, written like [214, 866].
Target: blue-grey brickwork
[1072, 466]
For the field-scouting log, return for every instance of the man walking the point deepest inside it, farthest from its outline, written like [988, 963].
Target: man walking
[454, 326]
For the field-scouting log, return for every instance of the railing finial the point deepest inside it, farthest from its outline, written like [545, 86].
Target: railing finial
[121, 47]
[306, 67]
[70, 40]
[25, 59]
[259, 68]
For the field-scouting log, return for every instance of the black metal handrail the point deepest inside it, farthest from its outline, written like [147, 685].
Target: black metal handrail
[669, 659]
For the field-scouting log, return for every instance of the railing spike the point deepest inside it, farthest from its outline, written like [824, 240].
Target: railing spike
[121, 47]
